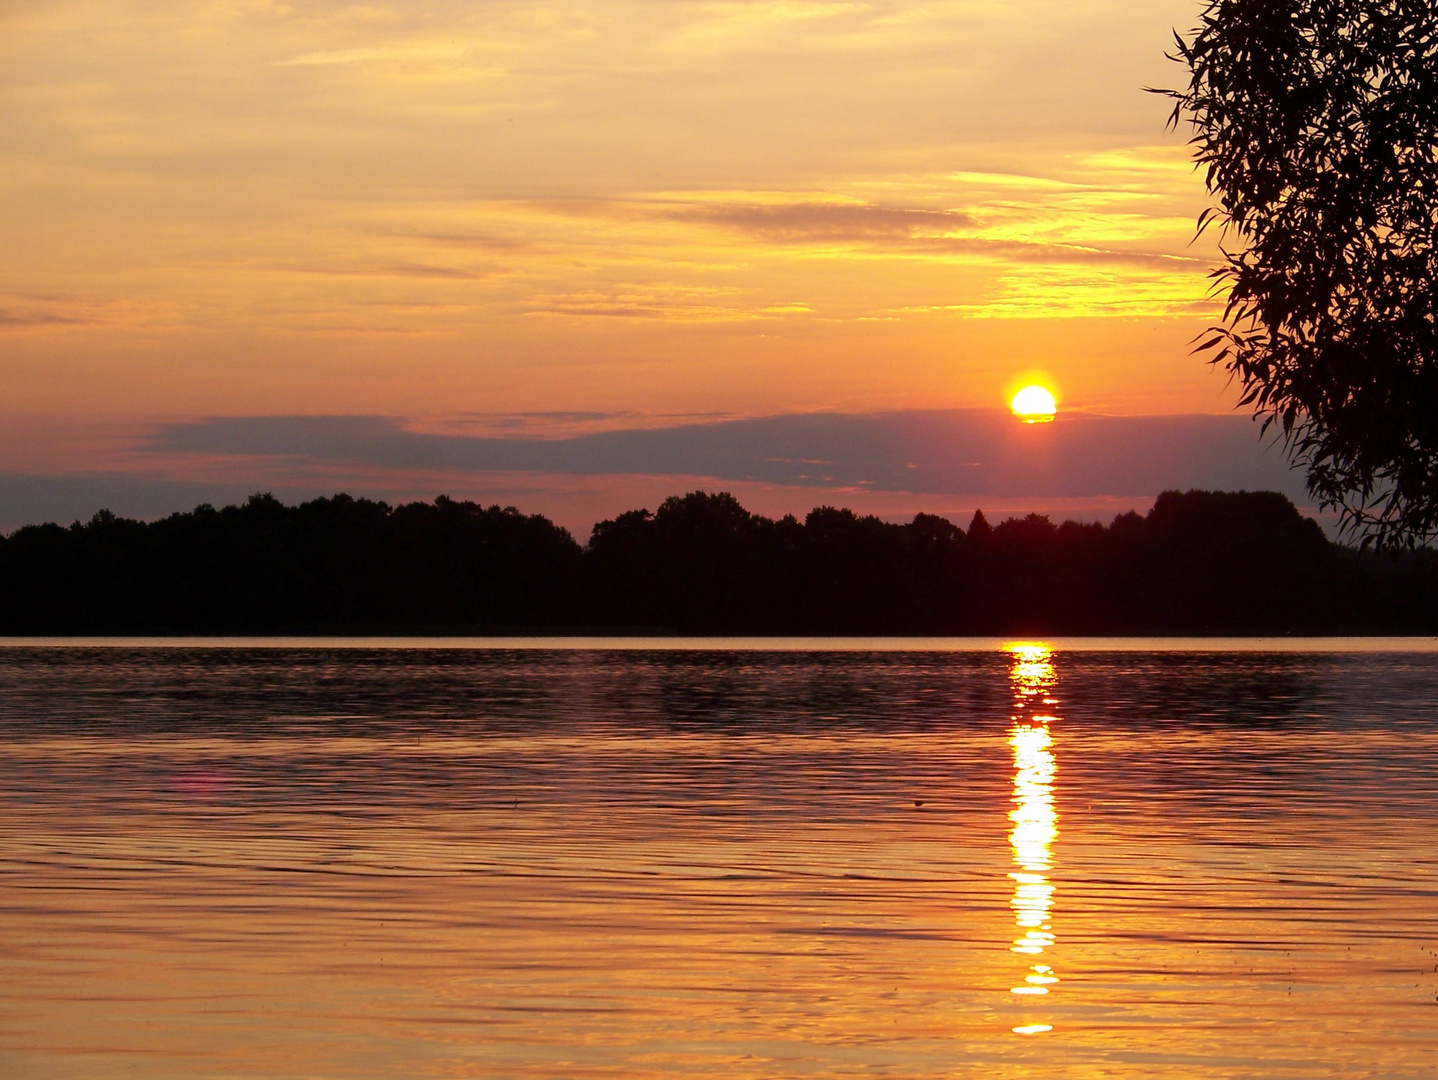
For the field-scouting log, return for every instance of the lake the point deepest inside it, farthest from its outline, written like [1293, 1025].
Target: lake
[735, 859]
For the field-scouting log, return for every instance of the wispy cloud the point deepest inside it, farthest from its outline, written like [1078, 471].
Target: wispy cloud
[19, 311]
[394, 270]
[661, 301]
[808, 221]
[39, 318]
[409, 52]
[343, 56]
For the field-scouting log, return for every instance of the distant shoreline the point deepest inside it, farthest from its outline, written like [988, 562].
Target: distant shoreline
[1350, 643]
[1218, 565]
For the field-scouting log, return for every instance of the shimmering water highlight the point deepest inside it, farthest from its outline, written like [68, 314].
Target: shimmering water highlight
[357, 861]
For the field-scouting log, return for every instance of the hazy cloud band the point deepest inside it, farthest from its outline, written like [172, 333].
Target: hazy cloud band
[944, 452]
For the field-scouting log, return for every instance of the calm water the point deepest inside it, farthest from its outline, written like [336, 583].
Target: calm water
[721, 862]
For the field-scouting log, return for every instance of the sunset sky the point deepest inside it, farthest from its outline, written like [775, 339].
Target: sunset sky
[235, 228]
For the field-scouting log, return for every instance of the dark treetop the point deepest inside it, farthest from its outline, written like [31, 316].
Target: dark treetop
[1198, 562]
[1316, 125]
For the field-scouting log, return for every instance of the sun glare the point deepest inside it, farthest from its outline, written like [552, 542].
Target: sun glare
[1034, 405]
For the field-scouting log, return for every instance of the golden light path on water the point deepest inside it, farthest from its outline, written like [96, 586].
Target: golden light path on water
[650, 864]
[1035, 821]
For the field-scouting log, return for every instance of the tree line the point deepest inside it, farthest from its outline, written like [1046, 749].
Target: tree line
[1197, 562]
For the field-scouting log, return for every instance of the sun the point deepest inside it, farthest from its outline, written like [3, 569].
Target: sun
[1034, 405]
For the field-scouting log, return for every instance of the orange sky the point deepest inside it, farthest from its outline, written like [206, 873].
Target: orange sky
[237, 207]
[648, 207]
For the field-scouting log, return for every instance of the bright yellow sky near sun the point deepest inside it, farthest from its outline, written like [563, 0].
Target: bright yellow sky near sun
[664, 206]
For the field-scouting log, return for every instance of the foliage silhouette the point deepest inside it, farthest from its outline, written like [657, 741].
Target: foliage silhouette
[1199, 562]
[333, 562]
[1316, 122]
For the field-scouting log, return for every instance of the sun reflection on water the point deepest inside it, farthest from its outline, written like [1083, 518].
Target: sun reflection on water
[1035, 821]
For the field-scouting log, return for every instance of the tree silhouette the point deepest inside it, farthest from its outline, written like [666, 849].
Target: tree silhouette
[1317, 124]
[1198, 562]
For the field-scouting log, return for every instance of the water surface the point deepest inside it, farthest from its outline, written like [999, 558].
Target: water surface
[354, 859]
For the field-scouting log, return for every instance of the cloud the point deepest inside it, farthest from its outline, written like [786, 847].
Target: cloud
[29, 310]
[972, 453]
[805, 221]
[1020, 233]
[341, 56]
[1058, 249]
[395, 270]
[410, 52]
[39, 318]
